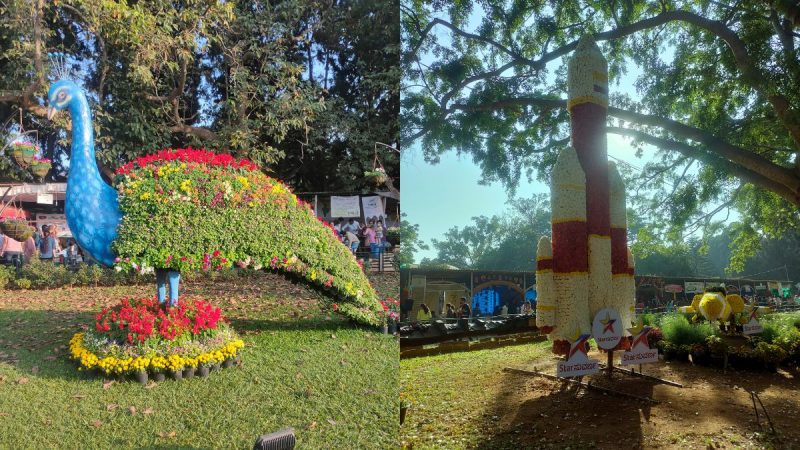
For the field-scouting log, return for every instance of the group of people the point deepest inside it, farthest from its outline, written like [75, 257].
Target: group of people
[43, 242]
[464, 311]
[373, 233]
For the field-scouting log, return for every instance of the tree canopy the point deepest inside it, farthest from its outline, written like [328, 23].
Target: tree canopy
[304, 88]
[501, 242]
[508, 242]
[717, 92]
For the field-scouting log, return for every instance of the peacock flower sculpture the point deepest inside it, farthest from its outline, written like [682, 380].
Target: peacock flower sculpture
[183, 210]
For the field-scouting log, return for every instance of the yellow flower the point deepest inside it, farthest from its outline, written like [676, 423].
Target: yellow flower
[145, 196]
[186, 185]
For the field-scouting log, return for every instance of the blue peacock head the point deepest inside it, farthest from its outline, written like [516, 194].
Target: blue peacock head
[60, 95]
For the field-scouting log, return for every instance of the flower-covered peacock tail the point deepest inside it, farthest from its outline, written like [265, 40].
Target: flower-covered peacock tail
[192, 209]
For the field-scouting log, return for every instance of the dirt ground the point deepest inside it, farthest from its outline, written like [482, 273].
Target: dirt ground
[712, 410]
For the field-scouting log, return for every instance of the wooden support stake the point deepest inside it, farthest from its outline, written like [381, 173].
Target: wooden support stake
[588, 385]
[632, 372]
[610, 363]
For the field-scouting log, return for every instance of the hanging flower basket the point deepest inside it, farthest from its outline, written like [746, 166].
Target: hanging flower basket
[23, 153]
[377, 176]
[41, 167]
[17, 229]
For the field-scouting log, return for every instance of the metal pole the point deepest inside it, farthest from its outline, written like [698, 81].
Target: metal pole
[3, 204]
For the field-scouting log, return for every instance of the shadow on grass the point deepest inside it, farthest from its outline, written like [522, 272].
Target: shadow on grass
[257, 325]
[537, 412]
[36, 342]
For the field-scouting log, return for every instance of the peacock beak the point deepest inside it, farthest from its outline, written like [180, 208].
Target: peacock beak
[51, 112]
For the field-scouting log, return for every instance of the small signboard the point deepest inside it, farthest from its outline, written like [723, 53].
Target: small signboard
[44, 199]
[673, 288]
[578, 363]
[640, 352]
[752, 326]
[695, 287]
[607, 328]
[345, 206]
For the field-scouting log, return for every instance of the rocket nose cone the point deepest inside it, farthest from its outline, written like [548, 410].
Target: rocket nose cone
[614, 178]
[587, 44]
[587, 75]
[544, 249]
[568, 170]
[630, 258]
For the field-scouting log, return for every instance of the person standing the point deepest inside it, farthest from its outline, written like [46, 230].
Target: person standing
[337, 226]
[29, 249]
[369, 241]
[37, 235]
[450, 311]
[464, 311]
[49, 245]
[424, 313]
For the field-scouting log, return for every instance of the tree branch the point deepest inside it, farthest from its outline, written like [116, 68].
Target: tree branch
[103, 65]
[751, 75]
[732, 153]
[743, 173]
[199, 132]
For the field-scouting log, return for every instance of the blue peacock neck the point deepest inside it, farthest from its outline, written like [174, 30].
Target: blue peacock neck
[92, 206]
[82, 158]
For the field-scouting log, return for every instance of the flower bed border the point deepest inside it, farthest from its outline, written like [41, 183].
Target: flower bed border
[159, 364]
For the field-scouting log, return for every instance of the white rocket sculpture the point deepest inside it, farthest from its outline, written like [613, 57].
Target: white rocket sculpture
[588, 265]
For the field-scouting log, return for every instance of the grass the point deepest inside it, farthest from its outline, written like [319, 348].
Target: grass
[303, 367]
[452, 393]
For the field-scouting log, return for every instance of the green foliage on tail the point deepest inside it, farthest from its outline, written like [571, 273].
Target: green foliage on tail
[194, 210]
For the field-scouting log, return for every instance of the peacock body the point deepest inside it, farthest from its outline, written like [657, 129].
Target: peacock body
[191, 209]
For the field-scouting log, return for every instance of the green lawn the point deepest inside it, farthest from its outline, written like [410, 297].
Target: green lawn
[453, 393]
[336, 384]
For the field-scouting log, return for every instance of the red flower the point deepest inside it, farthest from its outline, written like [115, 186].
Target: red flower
[335, 307]
[188, 155]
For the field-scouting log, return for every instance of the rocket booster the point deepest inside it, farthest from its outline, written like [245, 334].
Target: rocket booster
[621, 257]
[564, 266]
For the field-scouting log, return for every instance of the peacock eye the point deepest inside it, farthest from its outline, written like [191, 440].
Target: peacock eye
[61, 96]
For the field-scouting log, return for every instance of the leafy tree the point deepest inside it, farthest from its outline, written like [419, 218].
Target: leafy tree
[465, 247]
[225, 75]
[506, 242]
[409, 242]
[717, 94]
[353, 56]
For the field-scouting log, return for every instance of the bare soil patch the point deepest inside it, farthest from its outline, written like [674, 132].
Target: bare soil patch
[712, 410]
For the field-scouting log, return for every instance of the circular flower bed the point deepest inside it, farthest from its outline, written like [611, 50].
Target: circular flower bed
[140, 338]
